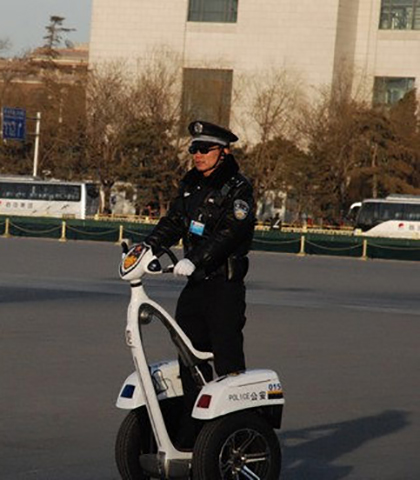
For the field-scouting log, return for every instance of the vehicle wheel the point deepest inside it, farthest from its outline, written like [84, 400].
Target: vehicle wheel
[238, 446]
[133, 439]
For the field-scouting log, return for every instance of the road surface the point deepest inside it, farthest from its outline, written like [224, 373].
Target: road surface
[342, 333]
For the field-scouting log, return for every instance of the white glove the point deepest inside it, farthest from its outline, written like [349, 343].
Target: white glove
[184, 268]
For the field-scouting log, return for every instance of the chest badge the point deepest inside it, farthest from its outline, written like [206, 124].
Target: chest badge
[197, 228]
[240, 209]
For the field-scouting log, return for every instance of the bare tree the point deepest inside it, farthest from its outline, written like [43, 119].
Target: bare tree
[331, 129]
[109, 113]
[388, 148]
[133, 127]
[277, 94]
[63, 140]
[156, 160]
[357, 150]
[15, 156]
[5, 45]
[272, 99]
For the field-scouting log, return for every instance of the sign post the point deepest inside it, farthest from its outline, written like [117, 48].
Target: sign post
[36, 149]
[14, 123]
[14, 128]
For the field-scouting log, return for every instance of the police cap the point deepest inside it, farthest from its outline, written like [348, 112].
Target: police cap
[211, 133]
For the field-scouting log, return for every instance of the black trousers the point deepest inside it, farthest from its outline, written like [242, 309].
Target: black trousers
[212, 314]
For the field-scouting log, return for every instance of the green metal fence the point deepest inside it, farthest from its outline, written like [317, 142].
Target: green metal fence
[300, 243]
[105, 231]
[276, 242]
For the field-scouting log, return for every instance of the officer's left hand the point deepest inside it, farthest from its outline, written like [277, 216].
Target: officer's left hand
[184, 268]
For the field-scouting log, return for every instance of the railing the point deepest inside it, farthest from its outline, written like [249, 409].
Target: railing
[300, 241]
[124, 218]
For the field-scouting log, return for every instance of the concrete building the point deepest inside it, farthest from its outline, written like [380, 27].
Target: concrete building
[222, 42]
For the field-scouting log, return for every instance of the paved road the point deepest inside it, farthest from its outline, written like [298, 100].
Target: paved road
[343, 334]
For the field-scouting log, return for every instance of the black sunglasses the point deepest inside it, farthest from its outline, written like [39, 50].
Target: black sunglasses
[203, 149]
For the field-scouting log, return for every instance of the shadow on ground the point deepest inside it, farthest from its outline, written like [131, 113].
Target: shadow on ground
[309, 453]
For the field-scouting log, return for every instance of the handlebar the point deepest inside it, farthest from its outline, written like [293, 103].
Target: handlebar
[168, 269]
[162, 251]
[125, 247]
[171, 255]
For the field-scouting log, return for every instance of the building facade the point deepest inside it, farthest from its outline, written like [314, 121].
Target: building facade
[221, 42]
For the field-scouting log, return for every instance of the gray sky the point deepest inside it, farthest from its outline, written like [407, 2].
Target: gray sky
[23, 21]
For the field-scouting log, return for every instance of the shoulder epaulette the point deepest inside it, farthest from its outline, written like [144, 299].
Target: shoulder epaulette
[233, 182]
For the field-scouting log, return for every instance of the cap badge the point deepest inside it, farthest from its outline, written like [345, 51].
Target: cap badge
[198, 127]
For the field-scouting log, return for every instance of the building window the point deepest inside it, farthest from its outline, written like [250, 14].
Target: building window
[206, 95]
[390, 90]
[224, 11]
[400, 15]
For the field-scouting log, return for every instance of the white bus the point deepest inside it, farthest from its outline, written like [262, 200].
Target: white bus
[396, 216]
[28, 196]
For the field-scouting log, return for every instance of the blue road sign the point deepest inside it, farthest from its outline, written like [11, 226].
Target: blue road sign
[14, 123]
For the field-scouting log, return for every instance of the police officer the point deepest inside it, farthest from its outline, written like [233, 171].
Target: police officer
[214, 215]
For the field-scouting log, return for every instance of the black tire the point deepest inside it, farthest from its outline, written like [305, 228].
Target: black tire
[228, 447]
[133, 439]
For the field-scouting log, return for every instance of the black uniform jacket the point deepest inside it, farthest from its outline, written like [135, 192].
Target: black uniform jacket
[215, 218]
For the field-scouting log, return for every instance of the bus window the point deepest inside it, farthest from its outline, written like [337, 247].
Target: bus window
[368, 216]
[412, 212]
[352, 213]
[55, 192]
[92, 199]
[14, 191]
[92, 190]
[390, 211]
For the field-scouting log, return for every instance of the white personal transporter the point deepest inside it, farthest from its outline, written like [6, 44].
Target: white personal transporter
[239, 412]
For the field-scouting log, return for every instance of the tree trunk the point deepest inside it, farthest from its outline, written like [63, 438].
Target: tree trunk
[162, 204]
[105, 195]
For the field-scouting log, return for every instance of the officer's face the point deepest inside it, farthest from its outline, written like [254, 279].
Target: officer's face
[207, 162]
